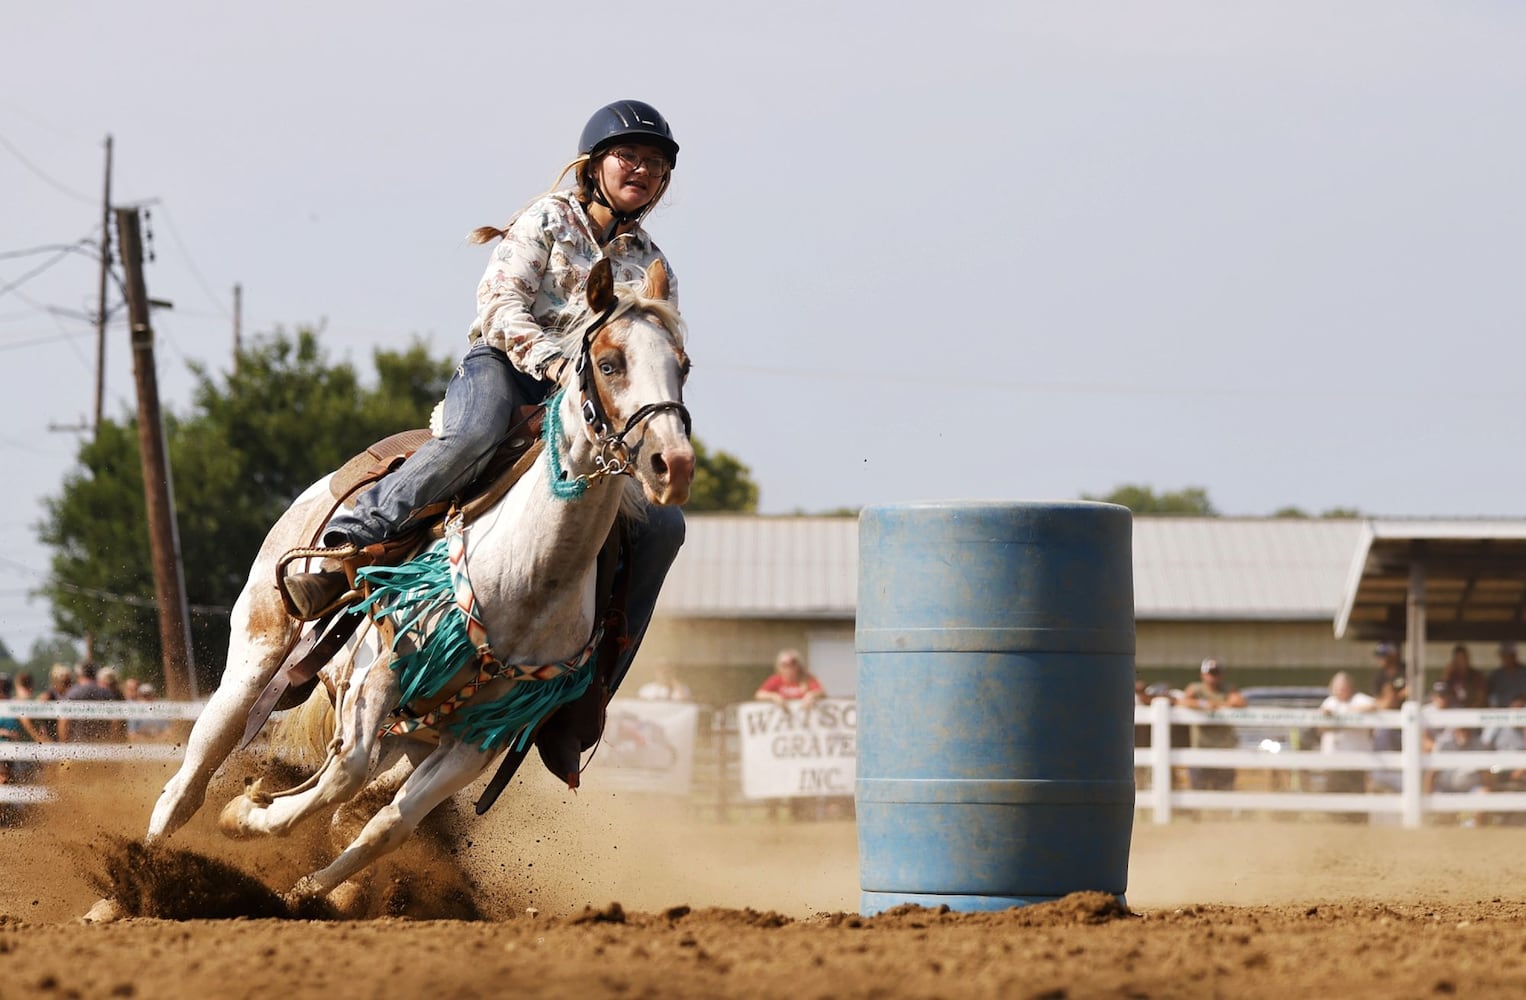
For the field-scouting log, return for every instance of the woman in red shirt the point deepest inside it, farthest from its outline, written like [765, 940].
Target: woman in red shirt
[790, 681]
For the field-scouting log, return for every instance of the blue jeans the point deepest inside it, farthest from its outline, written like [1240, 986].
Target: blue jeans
[653, 547]
[479, 406]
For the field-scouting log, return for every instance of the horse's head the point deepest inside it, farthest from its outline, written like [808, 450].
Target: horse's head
[630, 373]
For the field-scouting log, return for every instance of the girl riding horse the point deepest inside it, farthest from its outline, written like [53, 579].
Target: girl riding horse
[530, 293]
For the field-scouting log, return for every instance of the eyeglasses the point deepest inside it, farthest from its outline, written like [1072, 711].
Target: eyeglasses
[655, 165]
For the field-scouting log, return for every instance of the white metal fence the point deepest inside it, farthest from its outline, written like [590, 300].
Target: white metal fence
[145, 750]
[1160, 761]
[1408, 764]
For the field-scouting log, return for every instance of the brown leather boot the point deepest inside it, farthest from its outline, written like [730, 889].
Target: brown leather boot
[312, 593]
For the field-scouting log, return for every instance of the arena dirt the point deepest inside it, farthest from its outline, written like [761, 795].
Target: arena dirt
[594, 894]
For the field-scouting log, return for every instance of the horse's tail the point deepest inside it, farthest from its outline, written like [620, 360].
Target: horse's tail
[303, 734]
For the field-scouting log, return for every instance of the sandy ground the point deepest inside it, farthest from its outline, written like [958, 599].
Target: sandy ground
[1219, 908]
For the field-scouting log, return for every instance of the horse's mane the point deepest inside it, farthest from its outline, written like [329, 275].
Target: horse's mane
[630, 299]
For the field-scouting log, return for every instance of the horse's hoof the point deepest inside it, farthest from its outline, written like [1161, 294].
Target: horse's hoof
[349, 899]
[305, 891]
[105, 911]
[254, 791]
[234, 819]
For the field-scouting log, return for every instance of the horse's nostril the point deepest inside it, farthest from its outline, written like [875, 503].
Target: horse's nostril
[659, 466]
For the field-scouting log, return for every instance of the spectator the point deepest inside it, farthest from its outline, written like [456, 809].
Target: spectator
[130, 688]
[1466, 685]
[1209, 694]
[665, 686]
[1507, 739]
[1388, 691]
[1345, 699]
[15, 728]
[23, 692]
[1462, 777]
[147, 729]
[790, 681]
[60, 679]
[1506, 682]
[24, 689]
[1388, 683]
[88, 730]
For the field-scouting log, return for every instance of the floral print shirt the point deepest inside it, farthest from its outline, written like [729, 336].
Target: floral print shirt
[533, 288]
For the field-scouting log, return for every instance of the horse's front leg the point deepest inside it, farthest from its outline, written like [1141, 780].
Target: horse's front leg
[261, 634]
[371, 693]
[451, 767]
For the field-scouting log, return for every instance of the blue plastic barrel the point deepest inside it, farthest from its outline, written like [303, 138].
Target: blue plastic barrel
[995, 702]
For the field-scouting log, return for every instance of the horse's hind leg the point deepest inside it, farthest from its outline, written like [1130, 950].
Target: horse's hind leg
[443, 773]
[371, 693]
[260, 636]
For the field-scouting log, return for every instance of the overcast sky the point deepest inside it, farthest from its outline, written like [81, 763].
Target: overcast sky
[998, 250]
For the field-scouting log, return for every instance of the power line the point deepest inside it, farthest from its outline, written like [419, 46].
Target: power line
[40, 268]
[137, 602]
[42, 174]
[955, 380]
[50, 338]
[109, 596]
[45, 248]
[190, 263]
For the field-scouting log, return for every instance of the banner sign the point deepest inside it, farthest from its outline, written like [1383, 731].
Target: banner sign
[790, 752]
[648, 746]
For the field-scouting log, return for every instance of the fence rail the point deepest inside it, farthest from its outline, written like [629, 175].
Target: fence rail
[718, 757]
[1409, 763]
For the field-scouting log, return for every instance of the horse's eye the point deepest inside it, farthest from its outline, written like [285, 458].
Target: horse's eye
[606, 368]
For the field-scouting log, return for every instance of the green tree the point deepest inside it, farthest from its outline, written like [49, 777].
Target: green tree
[253, 441]
[1291, 513]
[1140, 499]
[721, 483]
[7, 661]
[45, 653]
[1344, 512]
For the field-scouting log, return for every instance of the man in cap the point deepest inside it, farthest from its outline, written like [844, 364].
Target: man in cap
[1507, 682]
[1209, 694]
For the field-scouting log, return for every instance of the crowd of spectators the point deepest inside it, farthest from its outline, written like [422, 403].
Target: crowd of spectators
[1462, 685]
[86, 682]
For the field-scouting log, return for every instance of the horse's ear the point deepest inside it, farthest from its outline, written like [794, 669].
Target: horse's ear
[601, 286]
[657, 280]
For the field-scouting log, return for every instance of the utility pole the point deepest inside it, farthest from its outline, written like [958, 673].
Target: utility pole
[100, 314]
[238, 323]
[158, 489]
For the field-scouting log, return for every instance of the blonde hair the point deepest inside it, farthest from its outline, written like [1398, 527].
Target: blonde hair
[785, 655]
[582, 169]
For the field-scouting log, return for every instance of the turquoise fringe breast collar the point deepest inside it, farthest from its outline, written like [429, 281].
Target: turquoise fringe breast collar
[429, 601]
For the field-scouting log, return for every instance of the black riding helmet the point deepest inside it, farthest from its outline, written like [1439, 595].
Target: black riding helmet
[628, 121]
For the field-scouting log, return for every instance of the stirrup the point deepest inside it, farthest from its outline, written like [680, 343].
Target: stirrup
[314, 595]
[338, 554]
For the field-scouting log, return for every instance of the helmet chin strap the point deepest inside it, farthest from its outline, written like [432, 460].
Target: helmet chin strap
[623, 218]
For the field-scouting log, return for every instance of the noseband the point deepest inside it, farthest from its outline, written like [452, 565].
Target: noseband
[613, 458]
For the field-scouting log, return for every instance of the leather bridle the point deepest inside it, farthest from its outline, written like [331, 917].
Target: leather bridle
[613, 457]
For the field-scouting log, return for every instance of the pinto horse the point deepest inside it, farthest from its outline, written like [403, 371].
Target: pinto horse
[532, 565]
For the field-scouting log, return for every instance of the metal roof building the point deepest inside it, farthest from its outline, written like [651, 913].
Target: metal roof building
[1185, 568]
[1264, 594]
